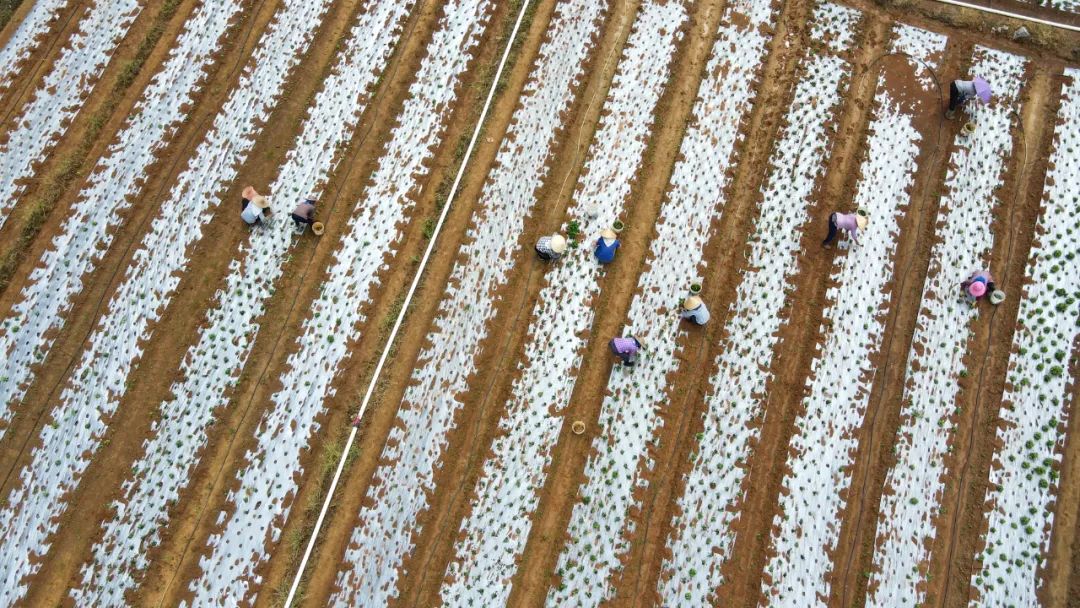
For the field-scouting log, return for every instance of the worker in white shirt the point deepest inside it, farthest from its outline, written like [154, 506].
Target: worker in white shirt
[253, 207]
[551, 247]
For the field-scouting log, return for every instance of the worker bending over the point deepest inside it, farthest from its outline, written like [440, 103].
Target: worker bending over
[626, 349]
[304, 213]
[851, 223]
[962, 91]
[606, 245]
[694, 310]
[551, 247]
[978, 285]
[254, 207]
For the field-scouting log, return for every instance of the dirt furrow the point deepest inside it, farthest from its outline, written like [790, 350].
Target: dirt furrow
[26, 74]
[548, 536]
[53, 368]
[224, 456]
[74, 540]
[961, 522]
[856, 542]
[1063, 564]
[379, 315]
[791, 361]
[380, 417]
[133, 62]
[637, 584]
[471, 438]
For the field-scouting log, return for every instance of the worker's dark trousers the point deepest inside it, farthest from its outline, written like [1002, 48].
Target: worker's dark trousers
[544, 255]
[297, 219]
[954, 97]
[832, 230]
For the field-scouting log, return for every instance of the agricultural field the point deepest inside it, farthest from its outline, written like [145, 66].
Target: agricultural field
[405, 406]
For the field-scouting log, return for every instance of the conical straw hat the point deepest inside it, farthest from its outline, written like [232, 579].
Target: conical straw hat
[691, 303]
[558, 243]
[260, 201]
[861, 221]
[608, 233]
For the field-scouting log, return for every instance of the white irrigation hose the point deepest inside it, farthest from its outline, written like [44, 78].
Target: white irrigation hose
[405, 305]
[987, 9]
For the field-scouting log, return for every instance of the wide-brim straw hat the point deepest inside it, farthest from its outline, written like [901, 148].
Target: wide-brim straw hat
[558, 243]
[250, 193]
[608, 233]
[260, 201]
[318, 227]
[691, 303]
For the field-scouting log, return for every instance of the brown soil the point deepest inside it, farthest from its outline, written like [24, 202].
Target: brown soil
[51, 373]
[27, 75]
[476, 423]
[66, 163]
[217, 471]
[790, 367]
[874, 456]
[191, 521]
[639, 578]
[1063, 562]
[961, 521]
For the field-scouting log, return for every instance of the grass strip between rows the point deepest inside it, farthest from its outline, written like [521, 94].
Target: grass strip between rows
[71, 166]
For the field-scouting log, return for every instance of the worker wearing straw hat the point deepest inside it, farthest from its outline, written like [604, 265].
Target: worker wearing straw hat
[851, 223]
[606, 244]
[695, 311]
[551, 247]
[962, 91]
[304, 213]
[253, 207]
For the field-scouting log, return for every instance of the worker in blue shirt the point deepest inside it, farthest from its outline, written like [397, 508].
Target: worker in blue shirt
[606, 245]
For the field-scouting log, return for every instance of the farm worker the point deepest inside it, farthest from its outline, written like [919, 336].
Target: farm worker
[961, 91]
[551, 247]
[979, 284]
[304, 213]
[694, 310]
[626, 349]
[851, 223]
[253, 207]
[606, 245]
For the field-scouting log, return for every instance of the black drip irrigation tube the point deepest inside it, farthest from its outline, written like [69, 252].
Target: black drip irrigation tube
[906, 272]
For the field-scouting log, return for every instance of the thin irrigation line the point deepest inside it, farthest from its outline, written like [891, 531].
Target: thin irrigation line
[405, 305]
[388, 76]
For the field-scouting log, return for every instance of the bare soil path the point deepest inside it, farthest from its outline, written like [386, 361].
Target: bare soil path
[18, 438]
[961, 520]
[637, 584]
[381, 416]
[873, 459]
[135, 60]
[60, 569]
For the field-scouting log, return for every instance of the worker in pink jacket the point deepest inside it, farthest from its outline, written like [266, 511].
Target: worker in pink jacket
[851, 223]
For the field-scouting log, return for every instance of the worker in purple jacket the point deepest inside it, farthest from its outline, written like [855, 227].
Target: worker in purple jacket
[851, 223]
[626, 349]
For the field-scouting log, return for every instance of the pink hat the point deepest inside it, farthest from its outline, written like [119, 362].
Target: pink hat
[977, 289]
